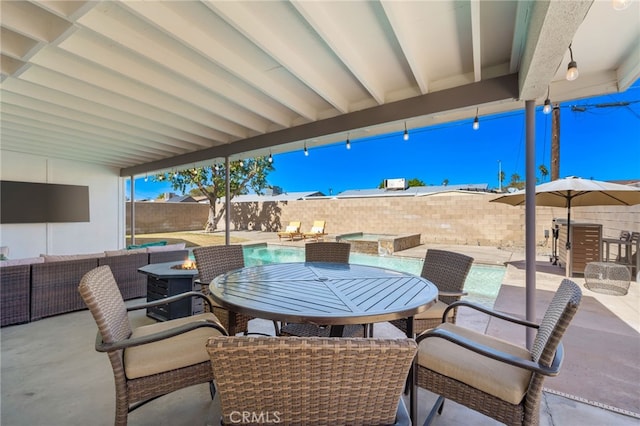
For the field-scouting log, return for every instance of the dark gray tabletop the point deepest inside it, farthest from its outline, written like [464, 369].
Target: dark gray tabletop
[165, 270]
[323, 293]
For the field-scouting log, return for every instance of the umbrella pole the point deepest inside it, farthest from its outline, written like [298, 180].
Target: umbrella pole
[530, 220]
[569, 265]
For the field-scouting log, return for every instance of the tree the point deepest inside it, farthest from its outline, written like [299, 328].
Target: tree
[445, 182]
[516, 181]
[250, 174]
[544, 172]
[410, 183]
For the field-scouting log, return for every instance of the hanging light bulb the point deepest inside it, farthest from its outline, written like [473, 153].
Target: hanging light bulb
[306, 151]
[270, 158]
[476, 122]
[146, 177]
[572, 68]
[348, 142]
[406, 133]
[216, 168]
[620, 4]
[547, 104]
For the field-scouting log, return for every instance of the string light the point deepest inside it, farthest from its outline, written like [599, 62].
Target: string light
[348, 142]
[270, 157]
[572, 69]
[620, 4]
[306, 151]
[547, 104]
[406, 133]
[476, 122]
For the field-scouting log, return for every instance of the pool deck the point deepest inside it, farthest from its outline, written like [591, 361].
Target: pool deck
[51, 375]
[602, 344]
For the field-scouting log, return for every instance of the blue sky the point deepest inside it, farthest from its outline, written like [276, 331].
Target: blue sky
[602, 143]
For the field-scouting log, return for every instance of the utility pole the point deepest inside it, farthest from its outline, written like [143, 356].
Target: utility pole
[499, 176]
[555, 143]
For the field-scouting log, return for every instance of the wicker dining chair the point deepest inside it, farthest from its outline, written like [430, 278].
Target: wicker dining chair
[152, 360]
[448, 271]
[490, 375]
[311, 381]
[332, 252]
[217, 260]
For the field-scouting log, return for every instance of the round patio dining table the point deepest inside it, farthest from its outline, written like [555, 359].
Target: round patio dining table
[326, 293]
[323, 293]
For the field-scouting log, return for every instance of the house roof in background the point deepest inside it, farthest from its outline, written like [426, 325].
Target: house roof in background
[149, 86]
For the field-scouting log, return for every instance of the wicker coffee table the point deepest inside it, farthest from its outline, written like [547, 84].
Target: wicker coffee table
[607, 277]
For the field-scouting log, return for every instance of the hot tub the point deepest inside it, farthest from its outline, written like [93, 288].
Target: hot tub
[379, 244]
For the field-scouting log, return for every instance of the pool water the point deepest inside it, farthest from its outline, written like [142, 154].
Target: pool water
[483, 281]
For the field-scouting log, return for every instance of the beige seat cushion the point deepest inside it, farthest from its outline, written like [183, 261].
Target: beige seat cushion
[434, 312]
[177, 352]
[496, 378]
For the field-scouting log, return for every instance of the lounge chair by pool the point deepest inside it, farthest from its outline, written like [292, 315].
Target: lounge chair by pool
[291, 231]
[317, 230]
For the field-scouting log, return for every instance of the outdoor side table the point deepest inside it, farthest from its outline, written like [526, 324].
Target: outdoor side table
[607, 277]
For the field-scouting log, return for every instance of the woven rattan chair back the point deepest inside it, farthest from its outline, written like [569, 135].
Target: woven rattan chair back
[327, 251]
[315, 380]
[447, 270]
[557, 318]
[216, 260]
[100, 292]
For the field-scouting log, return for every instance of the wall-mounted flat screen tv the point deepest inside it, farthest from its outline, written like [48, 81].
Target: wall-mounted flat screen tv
[30, 202]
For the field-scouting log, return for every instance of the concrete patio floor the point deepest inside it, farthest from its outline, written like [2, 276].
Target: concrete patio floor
[51, 375]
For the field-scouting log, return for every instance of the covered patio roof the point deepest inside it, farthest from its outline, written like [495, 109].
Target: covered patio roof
[148, 86]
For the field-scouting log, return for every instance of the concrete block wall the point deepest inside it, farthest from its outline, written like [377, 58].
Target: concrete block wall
[449, 218]
[153, 217]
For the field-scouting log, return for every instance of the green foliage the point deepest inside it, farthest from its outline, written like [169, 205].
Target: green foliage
[210, 181]
[410, 183]
[544, 172]
[516, 182]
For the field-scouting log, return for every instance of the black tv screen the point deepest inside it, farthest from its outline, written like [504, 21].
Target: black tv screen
[30, 202]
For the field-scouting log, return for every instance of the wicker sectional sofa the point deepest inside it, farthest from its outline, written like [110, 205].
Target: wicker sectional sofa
[33, 291]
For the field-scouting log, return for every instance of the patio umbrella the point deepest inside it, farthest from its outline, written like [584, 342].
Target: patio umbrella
[576, 192]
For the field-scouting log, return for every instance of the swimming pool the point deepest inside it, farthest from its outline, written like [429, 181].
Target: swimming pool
[482, 284]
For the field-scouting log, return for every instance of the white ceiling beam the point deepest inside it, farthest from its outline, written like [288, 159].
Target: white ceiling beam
[143, 43]
[82, 133]
[16, 91]
[551, 29]
[69, 91]
[45, 149]
[475, 40]
[147, 84]
[521, 26]
[157, 14]
[316, 14]
[397, 19]
[629, 72]
[37, 110]
[75, 68]
[240, 16]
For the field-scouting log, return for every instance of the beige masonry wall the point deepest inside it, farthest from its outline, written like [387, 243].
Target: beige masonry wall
[451, 218]
[167, 217]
